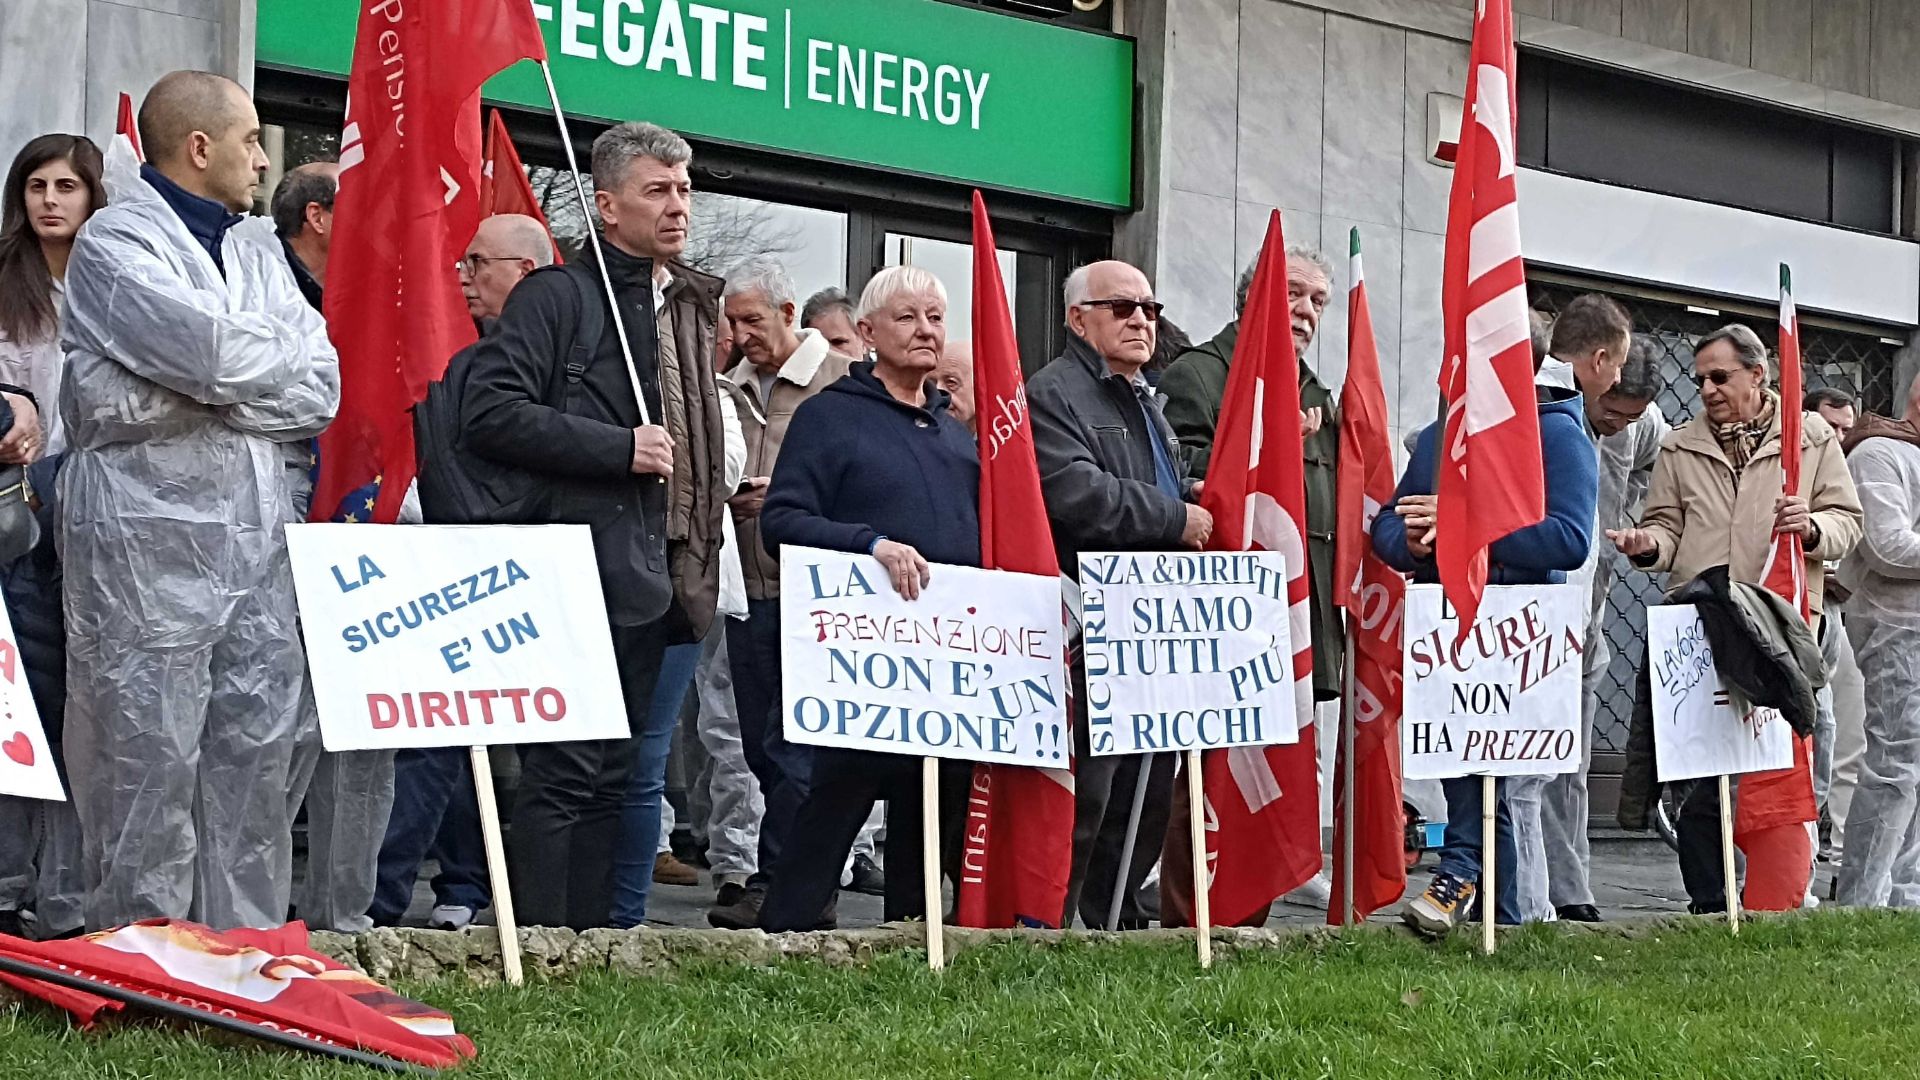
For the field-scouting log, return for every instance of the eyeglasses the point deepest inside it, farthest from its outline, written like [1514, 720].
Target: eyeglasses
[472, 263]
[1717, 378]
[1123, 308]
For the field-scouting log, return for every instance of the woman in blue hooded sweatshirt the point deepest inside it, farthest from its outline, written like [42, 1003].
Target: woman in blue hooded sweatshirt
[876, 465]
[1537, 555]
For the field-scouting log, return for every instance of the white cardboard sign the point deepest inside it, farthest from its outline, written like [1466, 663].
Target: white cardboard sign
[1505, 700]
[26, 763]
[1696, 731]
[974, 669]
[1187, 651]
[455, 635]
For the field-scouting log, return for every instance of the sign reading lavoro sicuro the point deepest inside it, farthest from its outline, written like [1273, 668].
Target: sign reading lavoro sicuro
[919, 86]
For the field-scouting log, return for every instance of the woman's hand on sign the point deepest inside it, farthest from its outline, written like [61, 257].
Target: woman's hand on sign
[1419, 512]
[905, 568]
[1632, 542]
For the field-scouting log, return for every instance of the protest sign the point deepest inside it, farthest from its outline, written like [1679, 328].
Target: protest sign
[1187, 651]
[1505, 699]
[971, 670]
[446, 635]
[26, 764]
[1696, 730]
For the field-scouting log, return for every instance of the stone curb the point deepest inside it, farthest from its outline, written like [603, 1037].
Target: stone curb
[410, 955]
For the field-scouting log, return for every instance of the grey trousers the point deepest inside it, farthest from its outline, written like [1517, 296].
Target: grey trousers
[40, 863]
[1564, 803]
[1849, 734]
[733, 822]
[1881, 864]
[349, 797]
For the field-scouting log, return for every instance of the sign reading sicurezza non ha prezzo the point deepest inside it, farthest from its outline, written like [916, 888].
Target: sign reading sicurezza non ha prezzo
[919, 86]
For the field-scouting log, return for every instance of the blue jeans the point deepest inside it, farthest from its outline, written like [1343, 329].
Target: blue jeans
[640, 811]
[435, 814]
[1460, 854]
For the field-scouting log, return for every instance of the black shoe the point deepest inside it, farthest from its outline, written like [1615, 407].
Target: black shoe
[1579, 913]
[12, 925]
[730, 894]
[742, 914]
[868, 877]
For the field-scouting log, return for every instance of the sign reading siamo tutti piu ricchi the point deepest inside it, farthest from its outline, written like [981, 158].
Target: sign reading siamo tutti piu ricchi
[919, 86]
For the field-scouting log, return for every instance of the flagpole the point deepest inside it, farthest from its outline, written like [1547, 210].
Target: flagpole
[1133, 837]
[930, 861]
[1489, 866]
[496, 863]
[1196, 835]
[1348, 738]
[593, 241]
[1726, 855]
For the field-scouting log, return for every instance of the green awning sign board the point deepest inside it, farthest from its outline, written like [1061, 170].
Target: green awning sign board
[918, 86]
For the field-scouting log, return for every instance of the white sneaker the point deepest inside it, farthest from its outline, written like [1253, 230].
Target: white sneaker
[450, 917]
[1317, 892]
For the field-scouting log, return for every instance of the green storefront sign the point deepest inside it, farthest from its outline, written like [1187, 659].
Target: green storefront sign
[918, 86]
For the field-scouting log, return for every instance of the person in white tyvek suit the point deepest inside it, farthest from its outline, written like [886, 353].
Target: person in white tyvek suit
[1880, 866]
[191, 360]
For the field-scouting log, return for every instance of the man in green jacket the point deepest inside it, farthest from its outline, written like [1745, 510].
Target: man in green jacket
[1193, 386]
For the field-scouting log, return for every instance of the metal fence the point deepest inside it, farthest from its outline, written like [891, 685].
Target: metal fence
[1860, 363]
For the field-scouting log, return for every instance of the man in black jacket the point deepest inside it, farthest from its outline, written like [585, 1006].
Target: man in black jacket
[1111, 475]
[591, 454]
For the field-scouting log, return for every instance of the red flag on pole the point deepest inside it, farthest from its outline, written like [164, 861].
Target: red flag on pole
[1372, 594]
[407, 206]
[1774, 808]
[1263, 802]
[125, 127]
[1019, 834]
[269, 979]
[503, 180]
[1490, 481]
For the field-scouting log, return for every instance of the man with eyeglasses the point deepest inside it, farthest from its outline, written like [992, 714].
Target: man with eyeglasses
[1592, 350]
[1716, 500]
[1113, 480]
[1194, 385]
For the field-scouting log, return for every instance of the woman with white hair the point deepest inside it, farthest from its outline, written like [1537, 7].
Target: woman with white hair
[877, 465]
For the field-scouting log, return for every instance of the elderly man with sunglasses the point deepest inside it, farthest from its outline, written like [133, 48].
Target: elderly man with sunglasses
[1112, 475]
[1716, 500]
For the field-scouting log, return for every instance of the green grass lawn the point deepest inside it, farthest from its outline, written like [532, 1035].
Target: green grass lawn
[1831, 995]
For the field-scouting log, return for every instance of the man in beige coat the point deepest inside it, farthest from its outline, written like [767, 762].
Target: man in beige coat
[1716, 499]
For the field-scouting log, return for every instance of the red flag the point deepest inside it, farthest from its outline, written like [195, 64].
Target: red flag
[1490, 476]
[503, 180]
[265, 977]
[407, 206]
[1372, 593]
[1263, 802]
[125, 127]
[1019, 835]
[1774, 807]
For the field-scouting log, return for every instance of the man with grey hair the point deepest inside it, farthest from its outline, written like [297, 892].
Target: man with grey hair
[1113, 480]
[782, 367]
[649, 476]
[830, 311]
[302, 209]
[1194, 386]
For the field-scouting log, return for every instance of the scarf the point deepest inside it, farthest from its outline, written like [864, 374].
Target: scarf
[1740, 439]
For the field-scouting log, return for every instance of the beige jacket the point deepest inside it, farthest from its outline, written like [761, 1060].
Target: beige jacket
[811, 368]
[1702, 515]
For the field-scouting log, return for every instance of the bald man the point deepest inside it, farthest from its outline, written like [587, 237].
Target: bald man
[505, 249]
[1112, 477]
[192, 359]
[955, 376]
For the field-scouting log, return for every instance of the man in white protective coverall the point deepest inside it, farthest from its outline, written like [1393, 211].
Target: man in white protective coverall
[191, 359]
[1880, 865]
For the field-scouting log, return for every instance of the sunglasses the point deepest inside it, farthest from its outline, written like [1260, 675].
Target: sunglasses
[1124, 308]
[1717, 378]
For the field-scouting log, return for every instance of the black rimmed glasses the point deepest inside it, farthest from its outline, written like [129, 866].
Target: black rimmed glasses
[1124, 307]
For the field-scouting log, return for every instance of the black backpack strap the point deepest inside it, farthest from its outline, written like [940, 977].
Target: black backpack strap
[589, 325]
